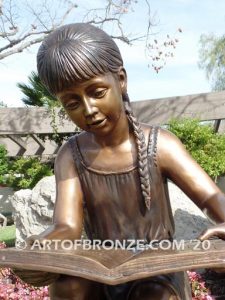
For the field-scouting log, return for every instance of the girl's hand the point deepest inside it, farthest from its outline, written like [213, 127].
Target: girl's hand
[35, 278]
[35, 240]
[214, 231]
[32, 239]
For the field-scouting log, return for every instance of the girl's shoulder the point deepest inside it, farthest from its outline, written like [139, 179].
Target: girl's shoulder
[67, 151]
[162, 135]
[84, 138]
[64, 154]
[161, 143]
[150, 132]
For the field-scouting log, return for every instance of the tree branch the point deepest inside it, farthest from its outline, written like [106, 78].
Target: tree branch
[5, 34]
[13, 43]
[47, 19]
[0, 7]
[22, 47]
[19, 43]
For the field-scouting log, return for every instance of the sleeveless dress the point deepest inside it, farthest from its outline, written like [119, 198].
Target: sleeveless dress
[107, 216]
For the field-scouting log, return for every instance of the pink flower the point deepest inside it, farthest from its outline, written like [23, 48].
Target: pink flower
[199, 290]
[13, 288]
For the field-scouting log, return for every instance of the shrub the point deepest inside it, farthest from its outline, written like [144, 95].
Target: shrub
[4, 164]
[205, 146]
[26, 172]
[21, 173]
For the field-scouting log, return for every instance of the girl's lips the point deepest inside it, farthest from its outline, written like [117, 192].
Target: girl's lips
[97, 124]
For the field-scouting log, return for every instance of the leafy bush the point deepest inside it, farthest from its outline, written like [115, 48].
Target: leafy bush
[26, 172]
[21, 173]
[205, 146]
[4, 164]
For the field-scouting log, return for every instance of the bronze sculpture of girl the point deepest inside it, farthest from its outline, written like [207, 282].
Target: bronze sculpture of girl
[113, 175]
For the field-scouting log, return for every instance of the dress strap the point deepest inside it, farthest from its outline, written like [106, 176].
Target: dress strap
[77, 159]
[152, 144]
[75, 152]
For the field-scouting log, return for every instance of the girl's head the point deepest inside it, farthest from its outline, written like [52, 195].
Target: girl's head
[74, 53]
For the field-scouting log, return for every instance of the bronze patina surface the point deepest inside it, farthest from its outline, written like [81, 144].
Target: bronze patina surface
[113, 176]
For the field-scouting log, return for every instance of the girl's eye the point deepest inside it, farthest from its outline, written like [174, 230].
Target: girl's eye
[72, 105]
[100, 93]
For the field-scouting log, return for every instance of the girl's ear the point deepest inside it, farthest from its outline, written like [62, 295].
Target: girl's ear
[122, 76]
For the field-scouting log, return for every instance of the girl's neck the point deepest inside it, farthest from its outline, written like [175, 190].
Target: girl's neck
[117, 137]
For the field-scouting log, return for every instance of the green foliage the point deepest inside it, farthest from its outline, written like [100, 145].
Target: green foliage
[26, 172]
[212, 59]
[205, 146]
[21, 173]
[4, 164]
[36, 93]
[8, 235]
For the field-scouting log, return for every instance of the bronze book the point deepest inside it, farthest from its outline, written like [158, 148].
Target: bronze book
[117, 266]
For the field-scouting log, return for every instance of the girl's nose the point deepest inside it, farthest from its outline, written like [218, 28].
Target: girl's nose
[89, 108]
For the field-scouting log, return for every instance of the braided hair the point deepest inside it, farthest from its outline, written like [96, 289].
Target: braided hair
[141, 151]
[77, 52]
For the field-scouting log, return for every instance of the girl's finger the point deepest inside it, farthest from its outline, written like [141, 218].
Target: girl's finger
[208, 233]
[216, 231]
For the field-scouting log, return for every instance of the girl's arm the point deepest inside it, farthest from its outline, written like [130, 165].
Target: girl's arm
[68, 214]
[68, 211]
[176, 164]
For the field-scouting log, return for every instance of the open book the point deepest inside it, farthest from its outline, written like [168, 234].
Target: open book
[118, 266]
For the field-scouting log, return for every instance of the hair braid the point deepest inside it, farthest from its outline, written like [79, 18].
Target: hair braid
[141, 151]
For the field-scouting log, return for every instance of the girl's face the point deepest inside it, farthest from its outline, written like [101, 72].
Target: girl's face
[96, 105]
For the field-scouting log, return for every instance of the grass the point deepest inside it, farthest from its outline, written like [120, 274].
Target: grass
[8, 235]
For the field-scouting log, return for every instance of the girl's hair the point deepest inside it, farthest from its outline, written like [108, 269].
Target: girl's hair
[74, 53]
[78, 52]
